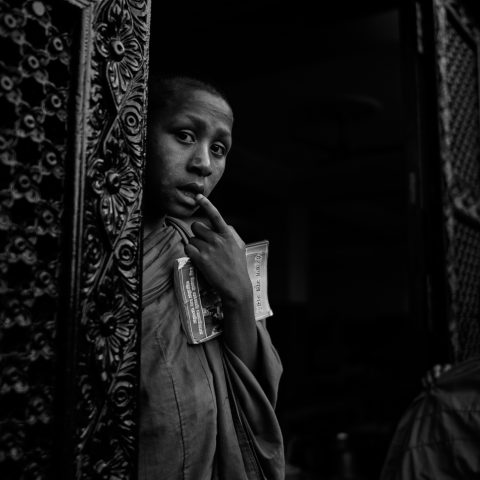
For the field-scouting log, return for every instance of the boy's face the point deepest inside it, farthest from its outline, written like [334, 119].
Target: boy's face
[187, 147]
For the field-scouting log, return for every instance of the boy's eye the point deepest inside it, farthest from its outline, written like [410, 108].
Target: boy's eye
[185, 136]
[218, 149]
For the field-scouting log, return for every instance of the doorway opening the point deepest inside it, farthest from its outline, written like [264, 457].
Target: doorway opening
[318, 168]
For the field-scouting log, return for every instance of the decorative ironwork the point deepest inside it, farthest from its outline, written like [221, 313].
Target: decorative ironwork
[34, 94]
[458, 74]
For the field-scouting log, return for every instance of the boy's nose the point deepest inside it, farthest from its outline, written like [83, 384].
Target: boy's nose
[200, 161]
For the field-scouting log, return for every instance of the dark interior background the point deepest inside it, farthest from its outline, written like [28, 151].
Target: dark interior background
[318, 168]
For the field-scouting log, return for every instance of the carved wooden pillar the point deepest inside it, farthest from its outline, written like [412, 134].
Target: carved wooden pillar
[72, 97]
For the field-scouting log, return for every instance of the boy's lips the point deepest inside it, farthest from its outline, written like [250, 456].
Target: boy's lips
[194, 188]
[191, 190]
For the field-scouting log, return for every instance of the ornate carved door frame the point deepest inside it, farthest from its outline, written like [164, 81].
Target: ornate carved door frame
[73, 86]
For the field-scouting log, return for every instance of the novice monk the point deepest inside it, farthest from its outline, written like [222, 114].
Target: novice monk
[206, 410]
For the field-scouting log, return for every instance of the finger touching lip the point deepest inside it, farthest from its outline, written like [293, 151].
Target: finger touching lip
[188, 197]
[194, 188]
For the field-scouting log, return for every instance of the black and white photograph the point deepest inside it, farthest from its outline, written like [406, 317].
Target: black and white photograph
[239, 240]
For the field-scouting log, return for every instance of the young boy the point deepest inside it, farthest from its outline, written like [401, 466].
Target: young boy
[207, 410]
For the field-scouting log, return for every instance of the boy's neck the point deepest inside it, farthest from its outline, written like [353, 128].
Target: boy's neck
[152, 224]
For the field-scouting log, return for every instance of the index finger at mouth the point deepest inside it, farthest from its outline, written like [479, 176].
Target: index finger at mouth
[213, 214]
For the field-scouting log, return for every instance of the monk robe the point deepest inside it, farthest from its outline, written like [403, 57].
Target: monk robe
[203, 414]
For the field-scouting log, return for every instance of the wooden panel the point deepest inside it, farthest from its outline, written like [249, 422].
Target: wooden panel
[36, 66]
[70, 228]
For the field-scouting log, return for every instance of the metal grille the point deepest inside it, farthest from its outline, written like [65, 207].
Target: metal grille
[463, 178]
[467, 295]
[462, 80]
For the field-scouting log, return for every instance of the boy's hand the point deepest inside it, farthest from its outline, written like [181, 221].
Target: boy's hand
[219, 254]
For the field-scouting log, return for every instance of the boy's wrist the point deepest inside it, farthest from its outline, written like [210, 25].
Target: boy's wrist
[241, 298]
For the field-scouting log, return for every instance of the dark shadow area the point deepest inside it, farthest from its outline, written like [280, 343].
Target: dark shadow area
[318, 168]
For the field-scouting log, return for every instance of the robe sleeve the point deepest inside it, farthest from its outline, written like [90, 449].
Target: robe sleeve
[255, 397]
[249, 439]
[268, 368]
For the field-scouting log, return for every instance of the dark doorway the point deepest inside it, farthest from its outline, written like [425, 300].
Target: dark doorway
[318, 168]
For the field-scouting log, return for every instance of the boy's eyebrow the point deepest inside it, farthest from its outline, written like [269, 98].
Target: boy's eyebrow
[199, 120]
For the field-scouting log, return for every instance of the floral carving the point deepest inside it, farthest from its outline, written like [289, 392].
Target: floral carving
[102, 290]
[131, 123]
[116, 184]
[93, 253]
[109, 292]
[110, 327]
[118, 44]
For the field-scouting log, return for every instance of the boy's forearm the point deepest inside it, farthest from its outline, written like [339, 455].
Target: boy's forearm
[240, 330]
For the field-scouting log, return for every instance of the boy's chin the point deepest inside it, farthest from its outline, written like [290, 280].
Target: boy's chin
[181, 212]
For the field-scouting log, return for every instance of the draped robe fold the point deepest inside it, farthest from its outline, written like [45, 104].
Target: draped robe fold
[193, 397]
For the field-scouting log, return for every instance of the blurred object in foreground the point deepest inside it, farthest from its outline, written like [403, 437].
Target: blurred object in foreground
[438, 436]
